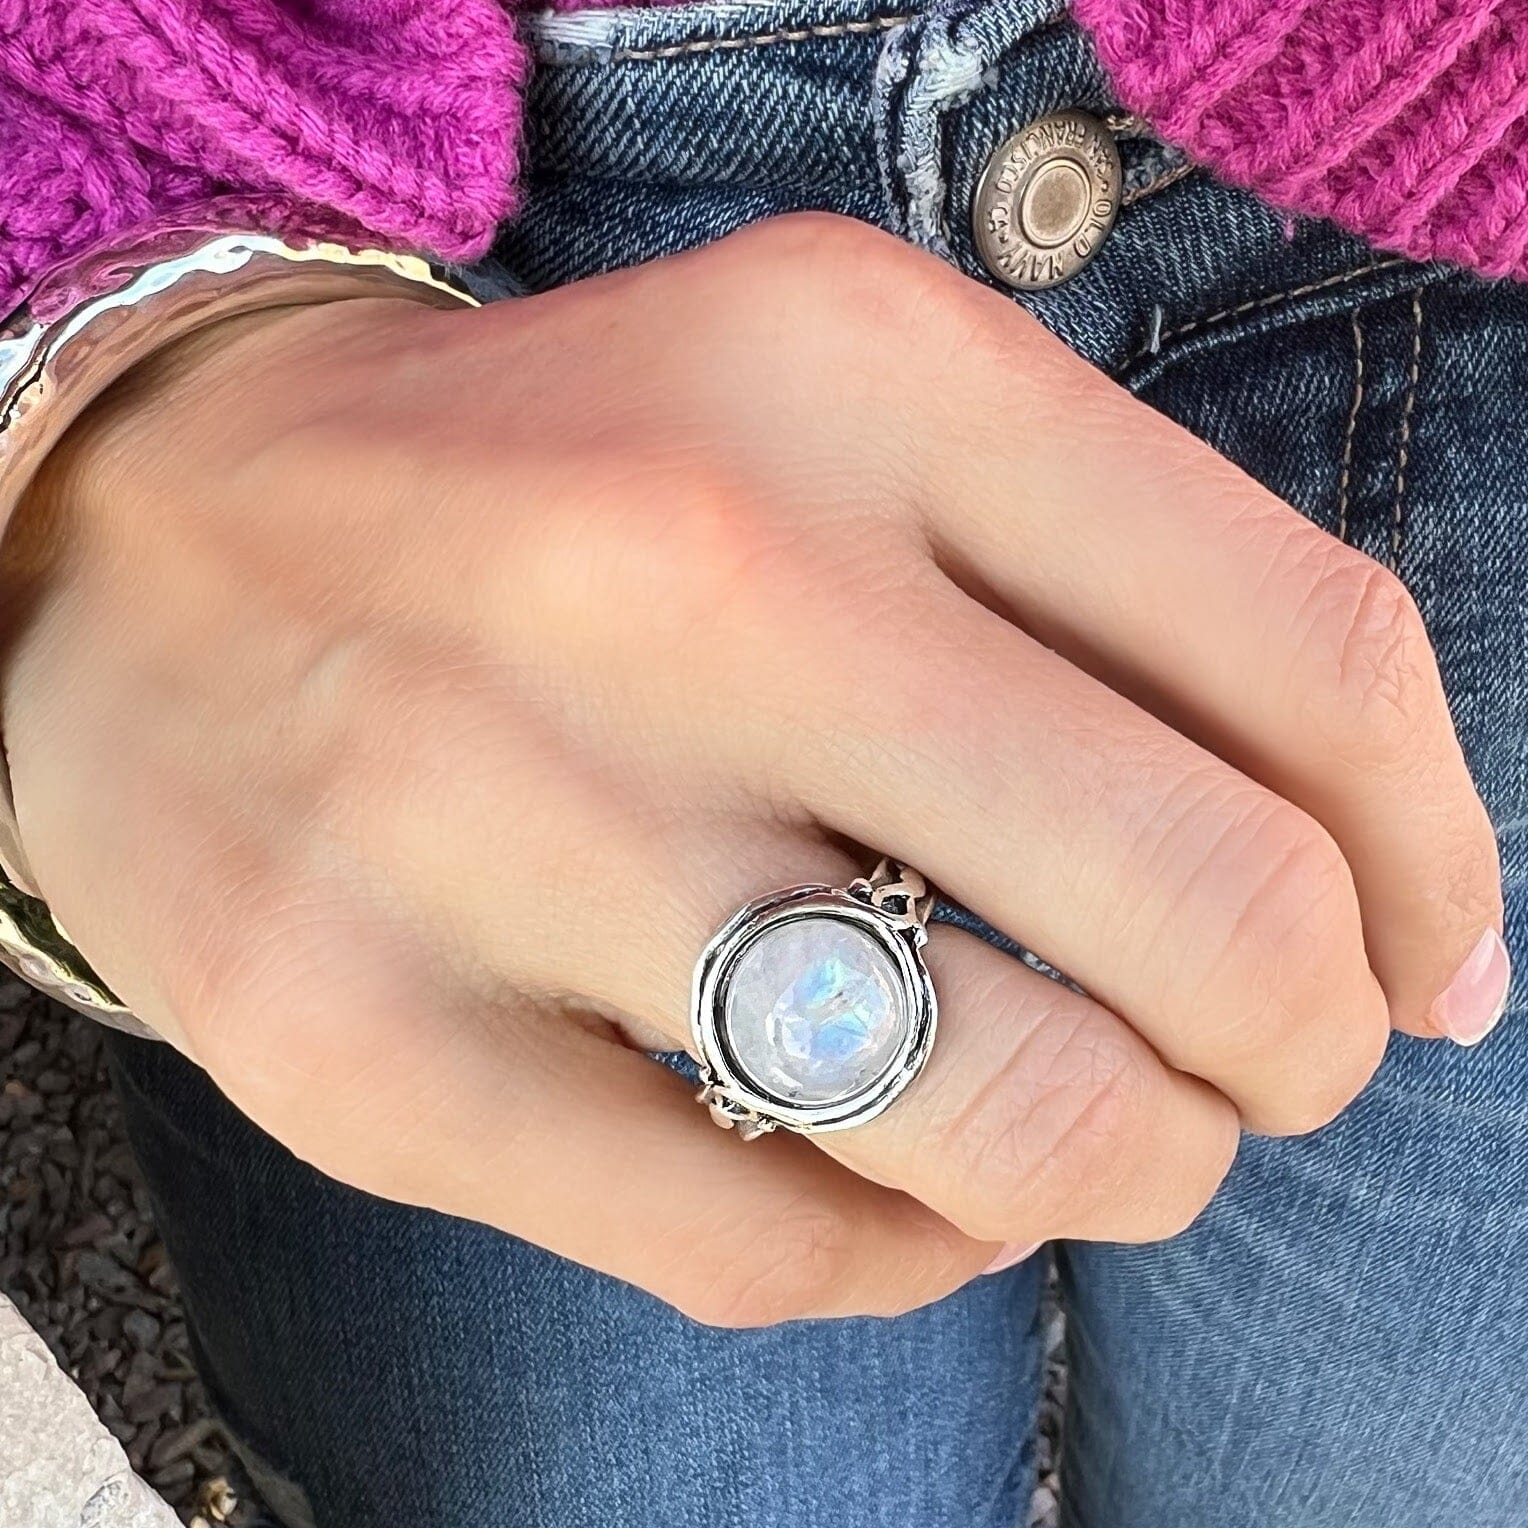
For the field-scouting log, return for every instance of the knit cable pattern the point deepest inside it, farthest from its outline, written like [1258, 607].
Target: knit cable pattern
[1405, 121]
[397, 117]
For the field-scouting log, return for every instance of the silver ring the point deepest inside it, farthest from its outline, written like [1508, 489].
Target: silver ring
[812, 1007]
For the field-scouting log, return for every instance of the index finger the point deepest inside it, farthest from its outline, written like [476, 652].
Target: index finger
[1146, 558]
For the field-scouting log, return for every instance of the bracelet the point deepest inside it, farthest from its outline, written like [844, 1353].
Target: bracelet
[83, 326]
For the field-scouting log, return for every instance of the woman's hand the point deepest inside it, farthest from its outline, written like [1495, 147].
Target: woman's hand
[407, 696]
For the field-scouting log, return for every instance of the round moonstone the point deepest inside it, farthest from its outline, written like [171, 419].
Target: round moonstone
[815, 1011]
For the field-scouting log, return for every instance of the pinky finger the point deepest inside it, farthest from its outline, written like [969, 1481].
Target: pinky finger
[548, 1128]
[733, 1234]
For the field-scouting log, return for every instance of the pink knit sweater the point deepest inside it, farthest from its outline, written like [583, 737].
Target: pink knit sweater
[1403, 120]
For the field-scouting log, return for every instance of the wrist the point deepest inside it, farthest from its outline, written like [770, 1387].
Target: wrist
[124, 323]
[89, 487]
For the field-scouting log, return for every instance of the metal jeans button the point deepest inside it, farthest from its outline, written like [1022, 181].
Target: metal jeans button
[1047, 200]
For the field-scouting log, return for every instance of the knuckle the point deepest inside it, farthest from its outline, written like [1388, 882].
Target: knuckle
[1298, 879]
[1291, 972]
[1195, 1181]
[1076, 1134]
[852, 280]
[1312, 1003]
[1341, 1061]
[798, 1267]
[1175, 1198]
[284, 983]
[1372, 659]
[800, 261]
[638, 547]
[1293, 936]
[1043, 1136]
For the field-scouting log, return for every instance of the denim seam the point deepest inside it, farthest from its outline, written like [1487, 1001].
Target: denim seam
[961, 73]
[1403, 452]
[764, 39]
[1161, 183]
[1344, 482]
[892, 80]
[916, 182]
[1268, 300]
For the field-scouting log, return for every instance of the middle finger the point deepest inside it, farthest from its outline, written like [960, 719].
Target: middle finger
[1217, 918]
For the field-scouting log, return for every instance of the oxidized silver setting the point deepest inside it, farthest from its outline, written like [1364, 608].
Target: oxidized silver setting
[891, 907]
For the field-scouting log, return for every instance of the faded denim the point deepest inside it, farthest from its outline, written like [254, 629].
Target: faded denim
[1341, 1341]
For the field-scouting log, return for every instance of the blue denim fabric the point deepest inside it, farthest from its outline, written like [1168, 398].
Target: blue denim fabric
[1342, 1340]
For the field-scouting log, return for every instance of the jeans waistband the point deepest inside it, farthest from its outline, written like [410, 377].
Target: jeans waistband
[677, 122]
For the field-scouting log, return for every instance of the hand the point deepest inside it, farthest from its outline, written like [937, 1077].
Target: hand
[407, 696]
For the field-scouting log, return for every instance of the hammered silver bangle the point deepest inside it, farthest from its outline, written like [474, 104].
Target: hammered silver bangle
[83, 326]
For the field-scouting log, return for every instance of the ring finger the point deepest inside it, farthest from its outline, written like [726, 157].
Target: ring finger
[1039, 1112]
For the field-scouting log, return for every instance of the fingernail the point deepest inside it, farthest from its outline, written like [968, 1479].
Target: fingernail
[1467, 1010]
[1012, 1255]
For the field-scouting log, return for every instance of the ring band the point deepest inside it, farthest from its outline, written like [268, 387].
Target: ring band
[813, 1009]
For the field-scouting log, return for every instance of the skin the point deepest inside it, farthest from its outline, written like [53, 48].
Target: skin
[404, 697]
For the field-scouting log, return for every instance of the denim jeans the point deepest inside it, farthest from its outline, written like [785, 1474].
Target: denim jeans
[1341, 1341]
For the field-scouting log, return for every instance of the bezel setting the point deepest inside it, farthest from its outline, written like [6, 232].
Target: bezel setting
[734, 1099]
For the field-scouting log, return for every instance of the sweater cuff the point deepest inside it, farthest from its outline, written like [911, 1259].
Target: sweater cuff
[1404, 121]
[399, 117]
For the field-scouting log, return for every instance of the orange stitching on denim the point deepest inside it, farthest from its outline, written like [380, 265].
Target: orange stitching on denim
[764, 39]
[1272, 299]
[1403, 455]
[1347, 440]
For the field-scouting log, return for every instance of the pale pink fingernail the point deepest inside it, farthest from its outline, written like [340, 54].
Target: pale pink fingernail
[1012, 1255]
[1468, 1008]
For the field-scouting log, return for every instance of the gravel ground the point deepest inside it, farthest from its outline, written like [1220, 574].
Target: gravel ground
[80, 1258]
[1044, 1509]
